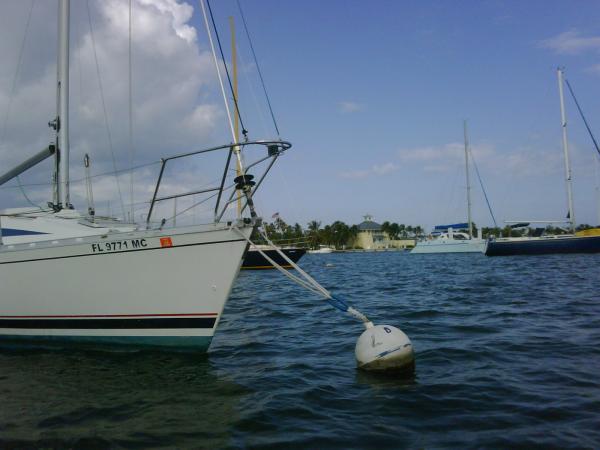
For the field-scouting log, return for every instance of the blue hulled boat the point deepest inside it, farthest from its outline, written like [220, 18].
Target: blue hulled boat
[543, 245]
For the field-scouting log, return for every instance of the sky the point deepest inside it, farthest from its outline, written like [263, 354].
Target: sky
[372, 95]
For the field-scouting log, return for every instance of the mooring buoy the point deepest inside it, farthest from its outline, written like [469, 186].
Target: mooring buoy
[384, 348]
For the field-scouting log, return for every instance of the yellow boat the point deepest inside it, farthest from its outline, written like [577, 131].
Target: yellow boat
[589, 232]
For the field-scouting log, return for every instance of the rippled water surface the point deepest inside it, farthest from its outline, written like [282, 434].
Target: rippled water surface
[508, 354]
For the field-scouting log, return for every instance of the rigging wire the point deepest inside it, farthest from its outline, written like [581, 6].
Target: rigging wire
[259, 110]
[12, 95]
[582, 116]
[257, 66]
[204, 200]
[16, 75]
[218, 70]
[483, 188]
[79, 180]
[110, 143]
[593, 140]
[237, 109]
[454, 201]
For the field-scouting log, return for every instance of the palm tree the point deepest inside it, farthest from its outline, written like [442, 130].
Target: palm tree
[352, 235]
[402, 229]
[326, 235]
[298, 231]
[313, 233]
[394, 231]
[385, 227]
[340, 233]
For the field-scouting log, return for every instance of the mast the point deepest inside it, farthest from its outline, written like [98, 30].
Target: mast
[598, 185]
[131, 149]
[236, 123]
[236, 148]
[568, 175]
[468, 180]
[63, 105]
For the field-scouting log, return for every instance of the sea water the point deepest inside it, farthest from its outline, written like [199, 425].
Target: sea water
[507, 355]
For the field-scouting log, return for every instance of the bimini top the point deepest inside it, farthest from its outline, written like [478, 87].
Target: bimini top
[455, 226]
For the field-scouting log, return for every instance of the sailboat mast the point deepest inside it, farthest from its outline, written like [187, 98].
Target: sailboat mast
[598, 186]
[568, 176]
[63, 104]
[468, 181]
[236, 123]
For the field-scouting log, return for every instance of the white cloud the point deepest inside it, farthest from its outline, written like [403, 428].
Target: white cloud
[529, 160]
[451, 151]
[175, 104]
[523, 161]
[572, 43]
[179, 13]
[349, 107]
[445, 157]
[375, 170]
[594, 69]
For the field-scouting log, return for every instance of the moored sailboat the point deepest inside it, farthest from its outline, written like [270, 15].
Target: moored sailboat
[547, 244]
[254, 259]
[448, 238]
[70, 276]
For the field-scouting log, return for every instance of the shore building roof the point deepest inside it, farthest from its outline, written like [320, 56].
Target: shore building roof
[369, 225]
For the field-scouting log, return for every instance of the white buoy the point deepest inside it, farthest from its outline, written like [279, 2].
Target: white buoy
[379, 347]
[384, 348]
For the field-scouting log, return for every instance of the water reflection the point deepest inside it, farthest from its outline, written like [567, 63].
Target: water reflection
[132, 399]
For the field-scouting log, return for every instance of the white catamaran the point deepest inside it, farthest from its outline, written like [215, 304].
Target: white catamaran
[70, 276]
[449, 238]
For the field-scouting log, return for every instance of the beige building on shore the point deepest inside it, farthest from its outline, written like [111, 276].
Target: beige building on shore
[372, 237]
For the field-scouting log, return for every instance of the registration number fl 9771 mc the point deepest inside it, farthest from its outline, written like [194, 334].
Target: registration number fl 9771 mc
[115, 246]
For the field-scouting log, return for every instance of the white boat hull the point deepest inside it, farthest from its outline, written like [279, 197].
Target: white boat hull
[165, 288]
[321, 251]
[450, 246]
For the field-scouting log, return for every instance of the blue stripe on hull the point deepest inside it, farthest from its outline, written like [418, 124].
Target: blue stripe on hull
[170, 343]
[589, 244]
[6, 232]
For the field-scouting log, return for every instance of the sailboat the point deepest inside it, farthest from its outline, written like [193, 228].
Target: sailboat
[449, 238]
[69, 276]
[575, 242]
[254, 259]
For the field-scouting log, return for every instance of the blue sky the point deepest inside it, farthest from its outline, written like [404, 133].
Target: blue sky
[372, 94]
[360, 86]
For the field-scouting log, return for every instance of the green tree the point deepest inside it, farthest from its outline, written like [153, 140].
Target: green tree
[352, 235]
[402, 231]
[340, 233]
[487, 232]
[385, 227]
[298, 232]
[314, 237]
[392, 229]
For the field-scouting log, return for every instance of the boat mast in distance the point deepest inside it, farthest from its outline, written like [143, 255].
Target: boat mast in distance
[469, 219]
[568, 175]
